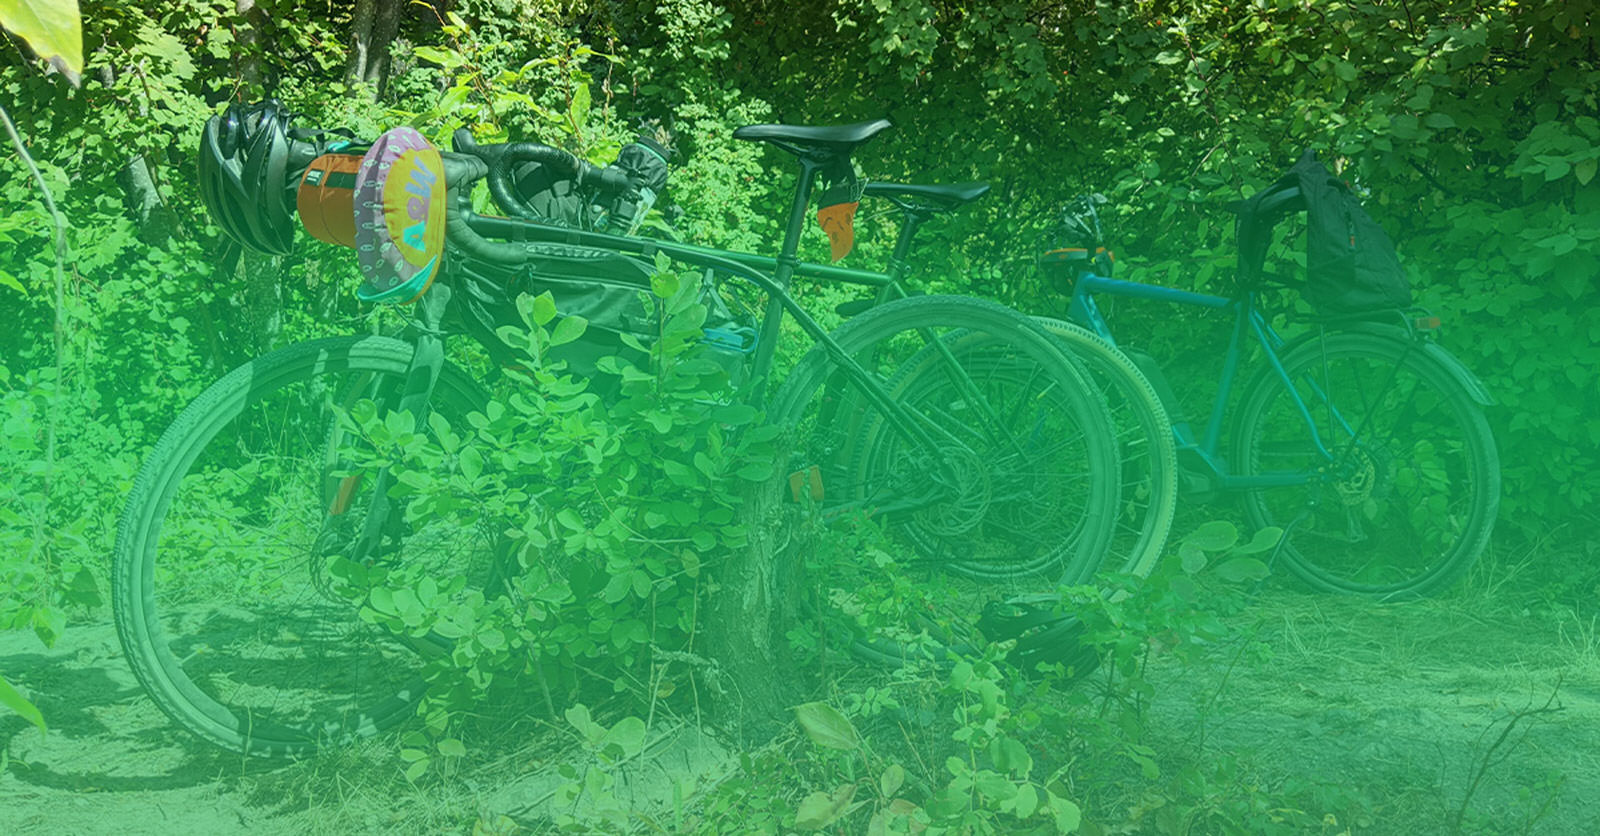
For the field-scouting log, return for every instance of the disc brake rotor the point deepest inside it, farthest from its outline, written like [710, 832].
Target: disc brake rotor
[969, 494]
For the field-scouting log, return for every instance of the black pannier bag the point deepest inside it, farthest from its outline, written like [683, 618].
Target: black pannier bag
[1351, 265]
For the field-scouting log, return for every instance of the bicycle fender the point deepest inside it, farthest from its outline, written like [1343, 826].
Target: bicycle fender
[1463, 375]
[1449, 362]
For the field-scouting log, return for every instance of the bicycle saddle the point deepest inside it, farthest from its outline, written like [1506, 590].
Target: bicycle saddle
[928, 198]
[834, 138]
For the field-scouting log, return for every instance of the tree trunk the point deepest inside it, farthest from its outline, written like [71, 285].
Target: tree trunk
[360, 41]
[248, 37]
[373, 29]
[262, 303]
[747, 619]
[153, 220]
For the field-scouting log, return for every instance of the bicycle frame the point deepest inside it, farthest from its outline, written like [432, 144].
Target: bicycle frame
[469, 231]
[1248, 326]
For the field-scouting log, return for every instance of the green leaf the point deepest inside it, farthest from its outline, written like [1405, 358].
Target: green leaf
[578, 716]
[442, 57]
[580, 106]
[11, 698]
[53, 28]
[538, 310]
[569, 519]
[1241, 570]
[568, 329]
[471, 463]
[1009, 755]
[1191, 557]
[819, 809]
[382, 600]
[1583, 170]
[452, 748]
[892, 780]
[1026, 802]
[826, 727]
[1066, 814]
[1439, 120]
[627, 735]
[664, 284]
[1265, 539]
[617, 588]
[994, 786]
[1214, 536]
[10, 281]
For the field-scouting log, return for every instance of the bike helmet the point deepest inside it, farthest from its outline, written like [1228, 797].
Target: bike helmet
[1044, 635]
[250, 161]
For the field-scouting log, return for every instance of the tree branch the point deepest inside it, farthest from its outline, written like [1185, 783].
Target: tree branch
[60, 224]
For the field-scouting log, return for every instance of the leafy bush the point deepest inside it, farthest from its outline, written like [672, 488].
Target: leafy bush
[612, 516]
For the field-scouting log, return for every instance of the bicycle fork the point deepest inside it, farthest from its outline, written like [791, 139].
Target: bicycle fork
[415, 392]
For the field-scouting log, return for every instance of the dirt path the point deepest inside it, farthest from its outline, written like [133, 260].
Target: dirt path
[111, 762]
[1399, 705]
[1407, 708]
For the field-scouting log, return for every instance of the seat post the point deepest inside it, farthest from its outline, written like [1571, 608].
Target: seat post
[798, 210]
[767, 341]
[911, 221]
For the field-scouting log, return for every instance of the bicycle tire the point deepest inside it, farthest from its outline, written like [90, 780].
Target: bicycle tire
[1145, 447]
[228, 620]
[1415, 484]
[970, 541]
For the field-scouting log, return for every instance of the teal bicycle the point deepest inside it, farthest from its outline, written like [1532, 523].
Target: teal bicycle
[1361, 437]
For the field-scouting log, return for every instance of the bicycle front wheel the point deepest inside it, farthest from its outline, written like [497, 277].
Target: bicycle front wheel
[1409, 496]
[228, 598]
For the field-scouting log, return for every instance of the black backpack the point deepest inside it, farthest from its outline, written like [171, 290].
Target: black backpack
[1351, 265]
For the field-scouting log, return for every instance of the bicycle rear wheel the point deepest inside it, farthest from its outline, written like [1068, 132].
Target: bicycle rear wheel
[1410, 497]
[1017, 493]
[228, 600]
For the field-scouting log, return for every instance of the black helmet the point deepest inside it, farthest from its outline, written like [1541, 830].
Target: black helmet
[250, 163]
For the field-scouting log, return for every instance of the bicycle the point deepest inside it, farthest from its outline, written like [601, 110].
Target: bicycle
[237, 545]
[1146, 452]
[1362, 437]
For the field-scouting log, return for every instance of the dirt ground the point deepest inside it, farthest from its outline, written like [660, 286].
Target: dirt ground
[1405, 705]
[1408, 706]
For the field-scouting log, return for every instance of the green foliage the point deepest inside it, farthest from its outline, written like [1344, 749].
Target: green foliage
[11, 699]
[611, 514]
[1172, 109]
[52, 29]
[978, 747]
